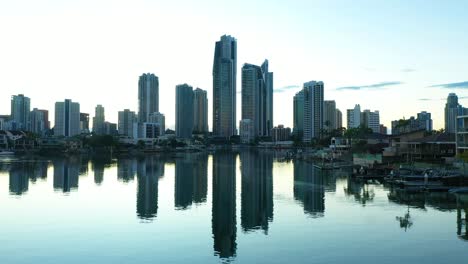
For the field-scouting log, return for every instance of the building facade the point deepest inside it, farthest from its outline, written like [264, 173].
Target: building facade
[224, 87]
[371, 120]
[200, 111]
[84, 122]
[339, 119]
[20, 108]
[184, 111]
[148, 96]
[329, 115]
[127, 124]
[298, 112]
[67, 118]
[246, 131]
[99, 121]
[354, 117]
[159, 119]
[452, 110]
[280, 133]
[38, 121]
[313, 110]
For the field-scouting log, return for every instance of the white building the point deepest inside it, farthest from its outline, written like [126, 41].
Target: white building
[160, 119]
[371, 120]
[354, 117]
[127, 124]
[313, 110]
[462, 134]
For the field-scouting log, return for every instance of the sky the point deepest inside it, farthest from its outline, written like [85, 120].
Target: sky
[398, 57]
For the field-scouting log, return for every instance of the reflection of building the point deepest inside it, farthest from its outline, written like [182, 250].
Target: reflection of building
[66, 173]
[191, 182]
[98, 168]
[126, 169]
[19, 178]
[257, 190]
[149, 169]
[224, 204]
[309, 189]
[38, 171]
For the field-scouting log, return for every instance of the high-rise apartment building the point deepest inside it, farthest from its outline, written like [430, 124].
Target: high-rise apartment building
[127, 124]
[158, 118]
[84, 122]
[354, 117]
[329, 115]
[38, 121]
[371, 120]
[200, 111]
[452, 110]
[339, 119]
[148, 96]
[99, 121]
[425, 120]
[298, 112]
[20, 108]
[313, 110]
[184, 111]
[67, 118]
[224, 87]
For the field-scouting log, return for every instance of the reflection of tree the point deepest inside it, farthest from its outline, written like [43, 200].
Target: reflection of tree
[360, 191]
[405, 220]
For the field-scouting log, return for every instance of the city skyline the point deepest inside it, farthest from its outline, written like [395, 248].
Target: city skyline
[398, 70]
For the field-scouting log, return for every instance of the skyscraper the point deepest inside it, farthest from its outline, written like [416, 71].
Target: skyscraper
[313, 110]
[452, 110]
[200, 111]
[329, 115]
[160, 119]
[38, 121]
[184, 111]
[99, 120]
[224, 87]
[20, 108]
[84, 122]
[67, 118]
[148, 96]
[298, 110]
[371, 120]
[127, 124]
[354, 117]
[257, 99]
[268, 78]
[339, 119]
[425, 120]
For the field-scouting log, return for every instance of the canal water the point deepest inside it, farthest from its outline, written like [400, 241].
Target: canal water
[226, 207]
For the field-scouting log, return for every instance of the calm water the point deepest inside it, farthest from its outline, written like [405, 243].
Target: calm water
[228, 207]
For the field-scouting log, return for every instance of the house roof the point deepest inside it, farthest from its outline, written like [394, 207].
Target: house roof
[437, 138]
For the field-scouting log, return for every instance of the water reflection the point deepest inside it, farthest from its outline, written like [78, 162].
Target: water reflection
[309, 188]
[257, 190]
[224, 204]
[66, 173]
[149, 169]
[191, 180]
[362, 192]
[462, 216]
[19, 178]
[126, 169]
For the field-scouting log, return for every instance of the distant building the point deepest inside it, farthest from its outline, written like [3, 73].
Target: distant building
[127, 124]
[99, 120]
[339, 119]
[84, 123]
[371, 120]
[425, 120]
[148, 96]
[67, 118]
[280, 133]
[452, 110]
[200, 111]
[246, 131]
[20, 108]
[462, 134]
[184, 111]
[224, 87]
[150, 130]
[3, 122]
[159, 119]
[110, 129]
[329, 115]
[422, 122]
[383, 130]
[354, 117]
[298, 111]
[313, 110]
[38, 121]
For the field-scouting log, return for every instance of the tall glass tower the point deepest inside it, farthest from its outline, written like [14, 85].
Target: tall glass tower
[148, 96]
[224, 87]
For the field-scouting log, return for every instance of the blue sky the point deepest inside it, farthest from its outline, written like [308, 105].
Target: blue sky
[385, 55]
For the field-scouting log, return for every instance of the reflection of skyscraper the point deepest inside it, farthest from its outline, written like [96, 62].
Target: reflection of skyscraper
[183, 183]
[149, 169]
[38, 171]
[190, 180]
[200, 172]
[66, 173]
[257, 190]
[19, 178]
[224, 204]
[98, 168]
[126, 169]
[309, 189]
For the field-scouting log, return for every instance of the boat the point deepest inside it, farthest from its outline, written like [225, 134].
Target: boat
[454, 179]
